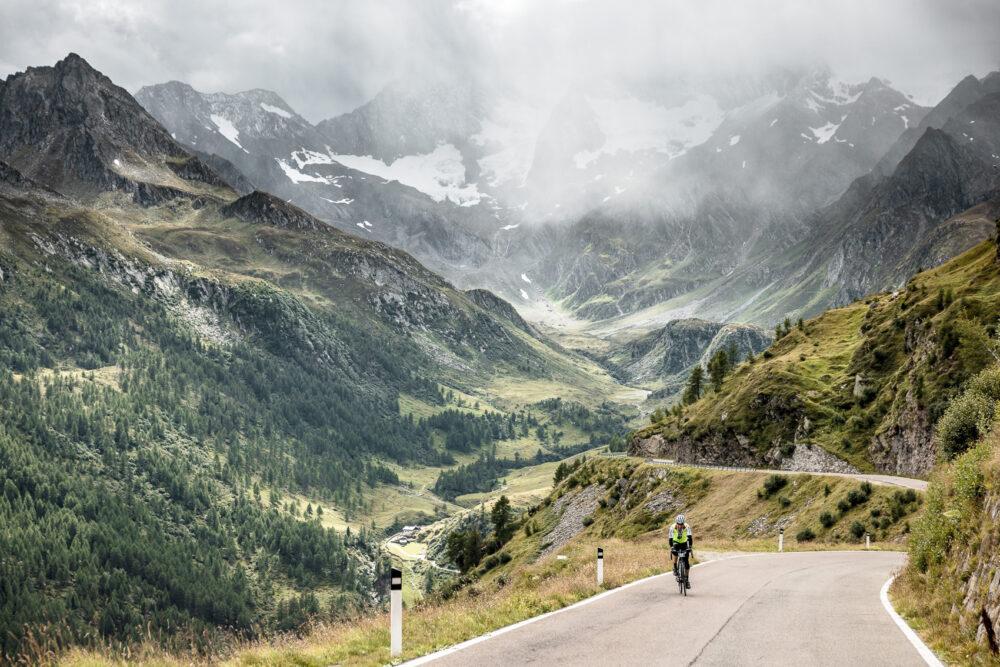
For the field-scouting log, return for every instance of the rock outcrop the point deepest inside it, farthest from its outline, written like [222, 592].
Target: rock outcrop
[70, 128]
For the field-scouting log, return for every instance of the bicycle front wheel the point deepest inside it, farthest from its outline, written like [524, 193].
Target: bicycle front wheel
[681, 577]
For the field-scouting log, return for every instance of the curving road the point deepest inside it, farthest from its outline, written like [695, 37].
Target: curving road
[807, 608]
[874, 478]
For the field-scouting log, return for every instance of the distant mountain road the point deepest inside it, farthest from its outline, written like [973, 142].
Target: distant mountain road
[804, 608]
[888, 480]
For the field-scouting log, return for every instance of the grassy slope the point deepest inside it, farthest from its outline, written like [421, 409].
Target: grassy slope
[811, 372]
[957, 541]
[721, 505]
[229, 248]
[295, 261]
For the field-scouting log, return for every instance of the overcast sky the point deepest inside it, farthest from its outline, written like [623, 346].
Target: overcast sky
[326, 57]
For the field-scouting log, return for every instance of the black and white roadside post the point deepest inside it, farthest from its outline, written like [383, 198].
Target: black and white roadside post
[600, 566]
[868, 541]
[395, 612]
[781, 539]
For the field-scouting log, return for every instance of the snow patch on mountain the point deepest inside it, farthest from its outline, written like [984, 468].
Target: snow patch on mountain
[296, 176]
[228, 130]
[439, 174]
[825, 133]
[275, 110]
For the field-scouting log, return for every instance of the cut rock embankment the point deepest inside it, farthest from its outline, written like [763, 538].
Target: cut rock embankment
[574, 509]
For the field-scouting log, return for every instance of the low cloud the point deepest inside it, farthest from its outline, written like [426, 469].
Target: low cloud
[327, 58]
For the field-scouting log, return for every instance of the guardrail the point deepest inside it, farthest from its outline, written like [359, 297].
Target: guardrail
[665, 462]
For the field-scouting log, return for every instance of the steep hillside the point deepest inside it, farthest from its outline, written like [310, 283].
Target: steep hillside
[408, 118]
[968, 91]
[857, 387]
[949, 590]
[805, 147]
[888, 225]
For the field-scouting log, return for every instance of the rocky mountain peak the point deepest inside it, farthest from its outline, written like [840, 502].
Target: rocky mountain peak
[263, 208]
[70, 128]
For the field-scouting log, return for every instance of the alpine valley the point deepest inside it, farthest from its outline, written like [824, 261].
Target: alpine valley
[241, 354]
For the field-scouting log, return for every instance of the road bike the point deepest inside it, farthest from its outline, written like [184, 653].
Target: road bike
[682, 571]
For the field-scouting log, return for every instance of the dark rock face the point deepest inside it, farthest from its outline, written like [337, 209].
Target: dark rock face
[12, 176]
[898, 224]
[491, 302]
[967, 92]
[263, 208]
[70, 128]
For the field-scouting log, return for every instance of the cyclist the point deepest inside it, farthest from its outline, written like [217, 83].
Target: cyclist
[680, 538]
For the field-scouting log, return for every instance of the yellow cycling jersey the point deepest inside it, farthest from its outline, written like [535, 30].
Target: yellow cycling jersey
[680, 536]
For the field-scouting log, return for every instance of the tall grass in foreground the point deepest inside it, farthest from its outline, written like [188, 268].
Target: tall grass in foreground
[949, 581]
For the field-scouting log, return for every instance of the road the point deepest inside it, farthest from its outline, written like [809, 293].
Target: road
[804, 608]
[887, 480]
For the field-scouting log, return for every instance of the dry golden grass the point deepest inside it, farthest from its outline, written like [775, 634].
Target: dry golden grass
[536, 589]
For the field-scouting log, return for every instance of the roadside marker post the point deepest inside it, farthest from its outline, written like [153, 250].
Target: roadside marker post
[781, 539]
[868, 541]
[600, 566]
[395, 612]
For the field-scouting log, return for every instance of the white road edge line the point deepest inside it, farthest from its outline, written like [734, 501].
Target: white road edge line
[424, 659]
[918, 643]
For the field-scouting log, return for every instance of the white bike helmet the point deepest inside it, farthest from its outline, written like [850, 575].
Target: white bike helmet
[680, 519]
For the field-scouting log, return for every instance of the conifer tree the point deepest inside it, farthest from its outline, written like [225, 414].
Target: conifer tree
[692, 392]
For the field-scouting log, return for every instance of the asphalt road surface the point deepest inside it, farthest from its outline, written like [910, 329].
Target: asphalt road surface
[804, 608]
[887, 480]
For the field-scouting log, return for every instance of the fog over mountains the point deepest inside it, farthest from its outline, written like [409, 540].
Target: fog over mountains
[617, 204]
[600, 168]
